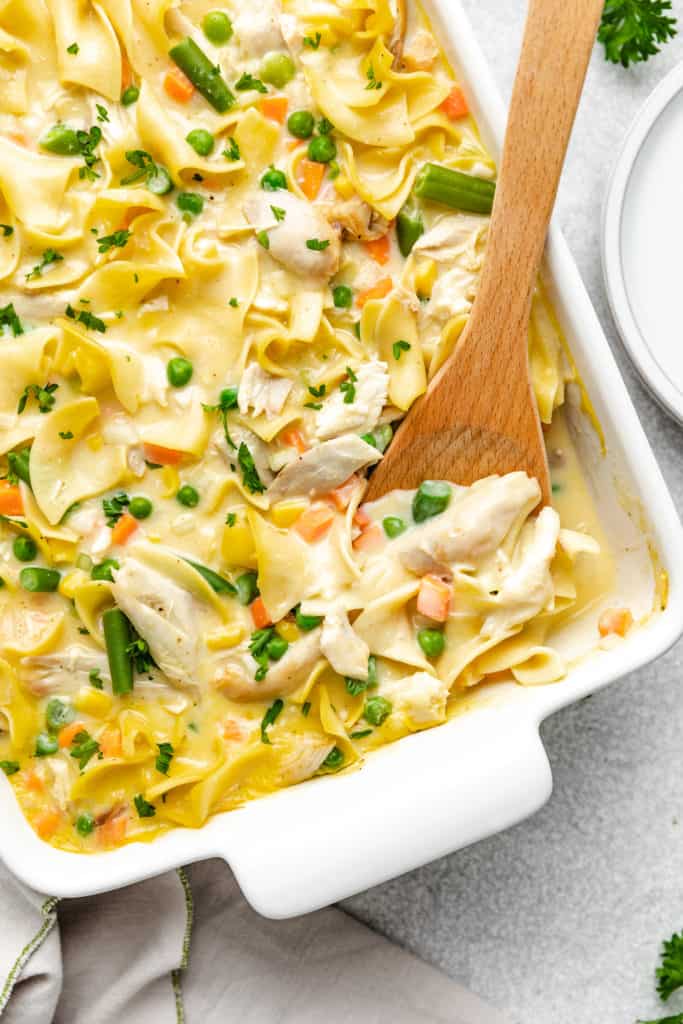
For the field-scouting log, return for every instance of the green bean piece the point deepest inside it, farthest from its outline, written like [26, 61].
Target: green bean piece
[217, 28]
[58, 713]
[24, 549]
[409, 227]
[103, 570]
[247, 587]
[217, 583]
[322, 149]
[19, 464]
[39, 581]
[201, 141]
[61, 140]
[431, 498]
[455, 189]
[117, 637]
[188, 496]
[393, 526]
[179, 370]
[306, 622]
[46, 745]
[431, 641]
[140, 507]
[377, 710]
[277, 69]
[300, 124]
[130, 95]
[204, 75]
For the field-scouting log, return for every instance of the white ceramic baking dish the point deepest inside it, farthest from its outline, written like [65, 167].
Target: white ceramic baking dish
[434, 792]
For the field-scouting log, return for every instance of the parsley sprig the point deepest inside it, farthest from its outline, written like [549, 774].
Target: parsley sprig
[247, 83]
[270, 717]
[85, 317]
[116, 240]
[630, 29]
[164, 757]
[115, 507]
[44, 396]
[49, 257]
[348, 386]
[9, 319]
[84, 747]
[250, 476]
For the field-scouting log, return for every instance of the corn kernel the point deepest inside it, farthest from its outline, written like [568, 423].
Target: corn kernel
[171, 481]
[344, 187]
[425, 276]
[230, 636]
[95, 442]
[237, 545]
[90, 701]
[289, 631]
[70, 582]
[284, 513]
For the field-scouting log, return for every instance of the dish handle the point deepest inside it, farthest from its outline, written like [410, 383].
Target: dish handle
[325, 840]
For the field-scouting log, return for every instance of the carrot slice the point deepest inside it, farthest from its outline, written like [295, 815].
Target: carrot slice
[33, 782]
[455, 105]
[274, 107]
[231, 729]
[370, 539]
[126, 72]
[67, 733]
[163, 456]
[178, 86]
[615, 620]
[259, 613]
[112, 831]
[361, 518]
[124, 529]
[110, 743]
[434, 598]
[46, 823]
[11, 502]
[379, 249]
[314, 523]
[293, 438]
[378, 291]
[310, 177]
[341, 496]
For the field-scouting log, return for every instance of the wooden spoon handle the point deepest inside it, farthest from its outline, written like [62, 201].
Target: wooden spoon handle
[558, 39]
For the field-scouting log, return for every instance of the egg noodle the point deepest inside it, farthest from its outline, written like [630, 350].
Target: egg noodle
[225, 276]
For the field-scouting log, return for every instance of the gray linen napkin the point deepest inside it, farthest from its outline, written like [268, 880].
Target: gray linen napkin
[186, 948]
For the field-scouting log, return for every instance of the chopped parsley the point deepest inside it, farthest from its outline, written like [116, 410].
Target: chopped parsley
[143, 807]
[262, 239]
[233, 302]
[49, 257]
[95, 679]
[317, 244]
[250, 477]
[9, 318]
[102, 112]
[313, 42]
[305, 708]
[361, 734]
[398, 347]
[355, 686]
[348, 386]
[66, 435]
[87, 141]
[324, 126]
[139, 653]
[154, 175]
[7, 230]
[88, 319]
[84, 747]
[318, 392]
[258, 648]
[230, 519]
[115, 507]
[117, 239]
[373, 82]
[44, 396]
[227, 400]
[9, 767]
[233, 150]
[73, 49]
[164, 757]
[270, 718]
[247, 82]
[278, 213]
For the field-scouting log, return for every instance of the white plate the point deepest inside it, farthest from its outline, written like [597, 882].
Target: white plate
[641, 243]
[436, 791]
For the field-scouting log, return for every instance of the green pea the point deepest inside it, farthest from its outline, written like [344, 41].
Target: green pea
[179, 371]
[39, 581]
[322, 149]
[188, 495]
[431, 641]
[102, 571]
[85, 824]
[277, 69]
[190, 202]
[247, 587]
[276, 647]
[58, 713]
[140, 507]
[334, 760]
[228, 398]
[300, 124]
[46, 745]
[24, 548]
[130, 95]
[61, 140]
[393, 526]
[377, 710]
[273, 179]
[217, 28]
[201, 141]
[159, 181]
[431, 498]
[342, 296]
[306, 622]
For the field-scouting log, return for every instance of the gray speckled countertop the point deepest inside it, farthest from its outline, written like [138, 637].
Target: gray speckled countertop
[559, 920]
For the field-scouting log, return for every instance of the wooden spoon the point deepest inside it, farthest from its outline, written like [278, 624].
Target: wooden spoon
[479, 414]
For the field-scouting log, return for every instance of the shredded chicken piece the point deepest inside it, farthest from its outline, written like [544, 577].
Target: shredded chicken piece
[262, 392]
[321, 469]
[346, 652]
[299, 236]
[235, 677]
[421, 51]
[356, 219]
